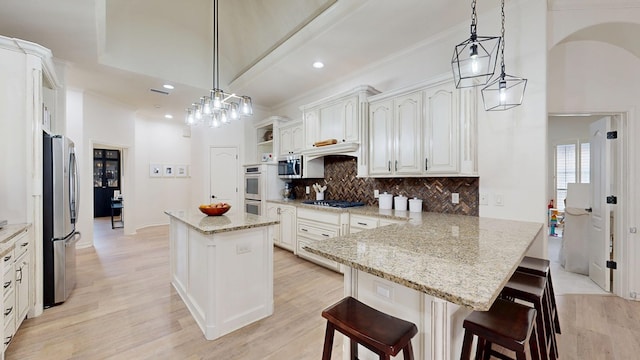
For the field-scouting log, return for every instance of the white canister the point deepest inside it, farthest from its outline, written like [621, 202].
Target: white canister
[400, 203]
[415, 205]
[385, 201]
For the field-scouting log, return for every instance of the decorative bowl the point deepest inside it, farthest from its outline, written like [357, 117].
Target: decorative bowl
[214, 209]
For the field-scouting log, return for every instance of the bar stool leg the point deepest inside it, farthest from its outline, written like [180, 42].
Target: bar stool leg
[354, 350]
[328, 342]
[466, 345]
[552, 295]
[407, 352]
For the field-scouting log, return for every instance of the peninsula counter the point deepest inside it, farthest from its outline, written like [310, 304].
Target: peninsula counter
[432, 271]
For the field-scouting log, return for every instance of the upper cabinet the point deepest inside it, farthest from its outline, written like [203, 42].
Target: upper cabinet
[343, 117]
[417, 131]
[394, 134]
[440, 131]
[267, 138]
[291, 139]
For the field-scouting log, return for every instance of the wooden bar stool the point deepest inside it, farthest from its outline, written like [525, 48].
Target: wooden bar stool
[508, 324]
[532, 289]
[541, 267]
[381, 333]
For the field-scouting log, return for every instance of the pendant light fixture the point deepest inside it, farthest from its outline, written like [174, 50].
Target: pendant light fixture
[474, 60]
[218, 107]
[506, 91]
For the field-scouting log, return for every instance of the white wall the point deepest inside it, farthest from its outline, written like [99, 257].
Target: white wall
[596, 76]
[511, 144]
[202, 139]
[159, 141]
[13, 125]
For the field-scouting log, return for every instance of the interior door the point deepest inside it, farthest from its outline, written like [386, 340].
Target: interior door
[223, 176]
[599, 225]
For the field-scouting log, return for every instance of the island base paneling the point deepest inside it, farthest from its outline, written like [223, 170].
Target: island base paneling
[225, 279]
[439, 322]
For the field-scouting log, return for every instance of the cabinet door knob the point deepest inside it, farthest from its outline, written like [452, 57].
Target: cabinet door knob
[7, 284]
[7, 258]
[389, 165]
[8, 311]
[426, 164]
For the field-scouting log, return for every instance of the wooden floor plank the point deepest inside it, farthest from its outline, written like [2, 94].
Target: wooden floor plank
[125, 308]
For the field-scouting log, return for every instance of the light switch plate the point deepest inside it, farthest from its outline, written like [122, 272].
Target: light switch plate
[484, 199]
[376, 193]
[455, 198]
[498, 200]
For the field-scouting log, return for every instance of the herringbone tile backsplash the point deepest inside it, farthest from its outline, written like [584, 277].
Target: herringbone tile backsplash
[342, 184]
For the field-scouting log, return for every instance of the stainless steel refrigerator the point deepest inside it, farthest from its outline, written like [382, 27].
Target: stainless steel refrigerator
[60, 214]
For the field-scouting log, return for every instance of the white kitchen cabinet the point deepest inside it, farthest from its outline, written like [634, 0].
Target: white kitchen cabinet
[339, 120]
[359, 223]
[395, 130]
[425, 130]
[341, 117]
[291, 139]
[267, 135]
[318, 225]
[18, 283]
[284, 234]
[440, 126]
[9, 298]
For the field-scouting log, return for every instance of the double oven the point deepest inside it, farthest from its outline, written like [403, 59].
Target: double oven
[261, 183]
[253, 192]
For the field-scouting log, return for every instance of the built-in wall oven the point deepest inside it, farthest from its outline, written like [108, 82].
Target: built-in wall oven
[253, 190]
[253, 183]
[261, 183]
[253, 206]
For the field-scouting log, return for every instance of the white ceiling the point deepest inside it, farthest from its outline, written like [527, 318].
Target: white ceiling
[123, 48]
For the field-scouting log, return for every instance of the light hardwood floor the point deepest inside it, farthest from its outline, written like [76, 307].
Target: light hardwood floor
[125, 308]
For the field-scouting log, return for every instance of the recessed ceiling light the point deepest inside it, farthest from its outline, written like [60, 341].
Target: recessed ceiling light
[168, 86]
[318, 64]
[168, 116]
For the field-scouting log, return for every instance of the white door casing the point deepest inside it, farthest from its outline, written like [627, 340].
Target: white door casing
[223, 176]
[599, 225]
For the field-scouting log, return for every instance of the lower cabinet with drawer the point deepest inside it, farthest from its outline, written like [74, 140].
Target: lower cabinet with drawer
[18, 285]
[358, 222]
[317, 225]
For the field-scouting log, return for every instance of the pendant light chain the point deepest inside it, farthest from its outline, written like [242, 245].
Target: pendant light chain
[502, 45]
[474, 19]
[217, 47]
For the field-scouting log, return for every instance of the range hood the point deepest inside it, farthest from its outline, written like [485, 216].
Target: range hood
[343, 148]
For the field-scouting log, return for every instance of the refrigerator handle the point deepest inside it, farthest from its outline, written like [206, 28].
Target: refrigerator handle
[74, 185]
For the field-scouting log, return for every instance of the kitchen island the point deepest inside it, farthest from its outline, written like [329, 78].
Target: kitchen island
[432, 271]
[222, 268]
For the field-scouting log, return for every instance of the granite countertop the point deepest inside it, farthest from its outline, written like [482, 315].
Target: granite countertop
[218, 224]
[465, 260]
[8, 233]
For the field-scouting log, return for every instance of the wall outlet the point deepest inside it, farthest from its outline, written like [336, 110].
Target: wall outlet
[498, 200]
[376, 193]
[307, 190]
[455, 198]
[484, 199]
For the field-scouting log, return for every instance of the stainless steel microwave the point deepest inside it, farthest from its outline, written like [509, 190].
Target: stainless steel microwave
[290, 167]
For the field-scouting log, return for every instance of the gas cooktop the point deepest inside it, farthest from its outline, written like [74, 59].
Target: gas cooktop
[334, 203]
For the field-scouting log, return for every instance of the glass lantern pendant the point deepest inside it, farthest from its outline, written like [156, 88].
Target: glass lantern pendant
[474, 60]
[506, 91]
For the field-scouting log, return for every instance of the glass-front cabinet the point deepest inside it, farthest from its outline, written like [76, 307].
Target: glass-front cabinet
[106, 179]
